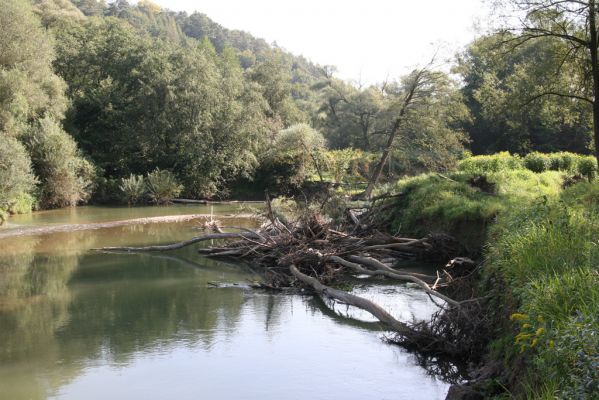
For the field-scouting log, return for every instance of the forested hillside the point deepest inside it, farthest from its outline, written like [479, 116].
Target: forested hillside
[122, 90]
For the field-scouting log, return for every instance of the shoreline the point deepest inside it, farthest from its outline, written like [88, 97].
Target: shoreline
[48, 229]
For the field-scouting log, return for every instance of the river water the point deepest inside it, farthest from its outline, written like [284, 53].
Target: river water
[80, 324]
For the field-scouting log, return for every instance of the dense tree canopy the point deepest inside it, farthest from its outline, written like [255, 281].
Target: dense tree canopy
[121, 89]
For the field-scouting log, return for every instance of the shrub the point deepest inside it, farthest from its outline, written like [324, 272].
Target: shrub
[16, 178]
[587, 167]
[163, 186]
[536, 162]
[66, 178]
[563, 161]
[133, 188]
[22, 204]
[490, 163]
[306, 146]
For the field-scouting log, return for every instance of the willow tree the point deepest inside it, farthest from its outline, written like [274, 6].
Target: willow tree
[573, 22]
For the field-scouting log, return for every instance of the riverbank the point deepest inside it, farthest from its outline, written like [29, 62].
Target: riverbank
[535, 235]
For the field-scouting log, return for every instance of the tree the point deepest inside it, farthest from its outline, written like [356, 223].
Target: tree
[498, 86]
[351, 116]
[66, 177]
[574, 23]
[16, 177]
[306, 145]
[408, 100]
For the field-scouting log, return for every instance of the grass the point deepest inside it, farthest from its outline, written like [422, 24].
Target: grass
[456, 204]
[542, 242]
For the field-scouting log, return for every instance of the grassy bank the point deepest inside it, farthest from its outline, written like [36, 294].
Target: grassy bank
[538, 234]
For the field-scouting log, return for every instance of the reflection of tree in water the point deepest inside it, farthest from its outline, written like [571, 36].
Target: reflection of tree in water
[61, 306]
[149, 302]
[34, 301]
[447, 370]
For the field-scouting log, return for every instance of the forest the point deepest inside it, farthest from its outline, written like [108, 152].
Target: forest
[123, 103]
[121, 91]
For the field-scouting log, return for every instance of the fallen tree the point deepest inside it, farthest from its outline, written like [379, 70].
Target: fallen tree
[315, 253]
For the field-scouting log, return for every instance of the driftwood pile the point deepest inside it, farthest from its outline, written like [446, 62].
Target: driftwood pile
[310, 253]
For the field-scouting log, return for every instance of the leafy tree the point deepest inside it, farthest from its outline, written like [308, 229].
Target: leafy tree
[424, 110]
[66, 178]
[306, 145]
[573, 24]
[501, 90]
[273, 79]
[91, 7]
[16, 177]
[351, 116]
[28, 87]
[56, 12]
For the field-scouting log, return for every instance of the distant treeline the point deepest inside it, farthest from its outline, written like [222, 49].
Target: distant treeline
[91, 93]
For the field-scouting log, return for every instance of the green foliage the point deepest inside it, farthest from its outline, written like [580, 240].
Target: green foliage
[66, 178]
[306, 146]
[587, 167]
[541, 242]
[463, 208]
[536, 162]
[28, 86]
[491, 163]
[429, 136]
[22, 204]
[338, 163]
[503, 87]
[133, 188]
[16, 177]
[547, 253]
[163, 186]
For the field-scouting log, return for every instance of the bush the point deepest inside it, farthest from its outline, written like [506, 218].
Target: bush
[22, 204]
[492, 163]
[163, 186]
[563, 161]
[536, 162]
[306, 146]
[16, 178]
[587, 167]
[133, 188]
[66, 178]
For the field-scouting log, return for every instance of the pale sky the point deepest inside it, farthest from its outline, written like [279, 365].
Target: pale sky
[367, 40]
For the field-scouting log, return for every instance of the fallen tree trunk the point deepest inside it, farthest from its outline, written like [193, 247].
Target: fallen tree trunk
[310, 252]
[352, 300]
[185, 243]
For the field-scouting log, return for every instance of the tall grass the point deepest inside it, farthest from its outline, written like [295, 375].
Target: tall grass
[542, 241]
[535, 162]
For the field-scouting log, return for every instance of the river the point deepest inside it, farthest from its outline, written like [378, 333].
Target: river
[79, 324]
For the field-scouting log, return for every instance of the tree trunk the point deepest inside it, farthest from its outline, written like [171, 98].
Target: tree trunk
[413, 87]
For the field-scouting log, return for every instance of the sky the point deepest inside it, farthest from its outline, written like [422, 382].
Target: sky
[367, 40]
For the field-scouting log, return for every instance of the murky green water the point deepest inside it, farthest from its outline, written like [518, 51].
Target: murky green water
[77, 324]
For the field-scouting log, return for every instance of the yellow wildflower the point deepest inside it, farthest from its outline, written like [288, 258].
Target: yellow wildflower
[518, 317]
[540, 331]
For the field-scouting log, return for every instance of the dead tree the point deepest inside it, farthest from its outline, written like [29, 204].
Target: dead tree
[310, 252]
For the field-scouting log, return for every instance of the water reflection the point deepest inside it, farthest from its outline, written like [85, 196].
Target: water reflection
[77, 324]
